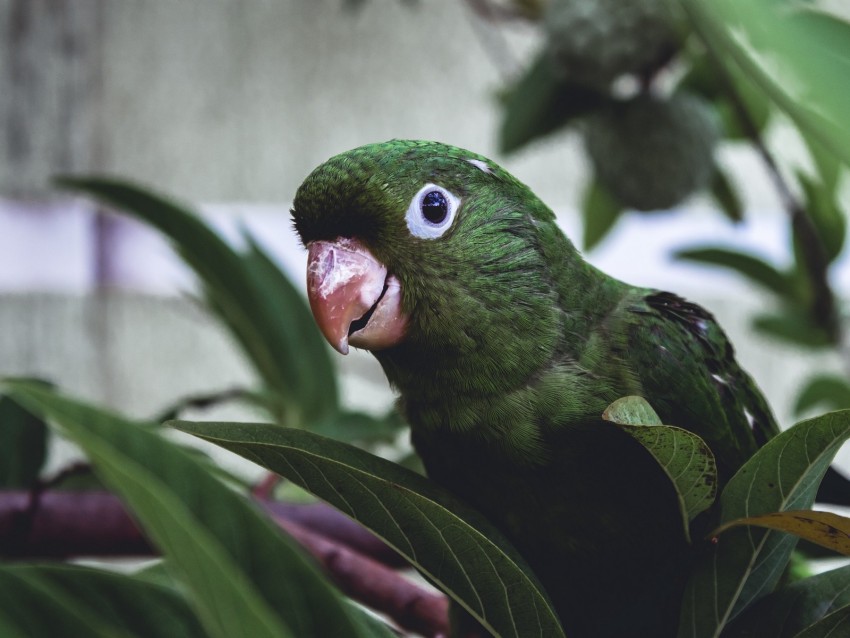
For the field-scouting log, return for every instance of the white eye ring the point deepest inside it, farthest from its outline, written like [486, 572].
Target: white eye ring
[417, 219]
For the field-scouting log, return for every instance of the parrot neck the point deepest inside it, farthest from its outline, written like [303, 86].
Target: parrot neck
[483, 376]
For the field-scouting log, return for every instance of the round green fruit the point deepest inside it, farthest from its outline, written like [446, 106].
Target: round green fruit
[652, 153]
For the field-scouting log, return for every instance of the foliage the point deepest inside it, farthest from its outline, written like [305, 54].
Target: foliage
[748, 60]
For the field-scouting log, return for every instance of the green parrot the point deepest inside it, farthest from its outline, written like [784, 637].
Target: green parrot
[505, 347]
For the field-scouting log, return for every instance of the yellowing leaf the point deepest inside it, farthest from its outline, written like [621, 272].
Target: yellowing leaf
[824, 528]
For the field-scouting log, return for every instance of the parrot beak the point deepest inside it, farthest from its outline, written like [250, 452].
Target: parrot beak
[353, 298]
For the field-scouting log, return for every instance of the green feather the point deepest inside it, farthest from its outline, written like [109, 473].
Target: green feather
[515, 347]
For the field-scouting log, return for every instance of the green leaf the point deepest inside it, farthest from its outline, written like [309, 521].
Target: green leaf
[823, 528]
[753, 268]
[746, 564]
[830, 390]
[725, 195]
[243, 576]
[600, 212]
[287, 317]
[265, 312]
[827, 217]
[795, 607]
[834, 625]
[704, 78]
[361, 427]
[753, 101]
[685, 458]
[797, 55]
[23, 445]
[541, 103]
[828, 167]
[792, 328]
[446, 540]
[632, 410]
[45, 601]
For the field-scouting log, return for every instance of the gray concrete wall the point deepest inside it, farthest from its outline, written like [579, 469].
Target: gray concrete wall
[221, 100]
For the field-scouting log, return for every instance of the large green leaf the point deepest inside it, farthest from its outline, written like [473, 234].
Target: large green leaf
[746, 564]
[706, 79]
[725, 195]
[834, 625]
[797, 55]
[827, 390]
[793, 328]
[541, 103]
[443, 538]
[685, 458]
[822, 207]
[795, 607]
[23, 445]
[753, 268]
[243, 576]
[600, 211]
[45, 601]
[265, 312]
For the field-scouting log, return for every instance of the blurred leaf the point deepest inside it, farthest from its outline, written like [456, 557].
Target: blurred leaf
[361, 427]
[831, 390]
[46, 601]
[753, 268]
[725, 195]
[794, 329]
[823, 528]
[823, 209]
[746, 564]
[451, 544]
[600, 212]
[808, 51]
[834, 625]
[264, 311]
[827, 165]
[704, 78]
[288, 317]
[157, 573]
[80, 482]
[412, 462]
[541, 103]
[23, 445]
[243, 576]
[701, 78]
[210, 400]
[752, 100]
[791, 609]
[684, 457]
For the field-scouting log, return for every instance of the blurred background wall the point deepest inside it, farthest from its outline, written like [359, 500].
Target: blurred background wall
[229, 105]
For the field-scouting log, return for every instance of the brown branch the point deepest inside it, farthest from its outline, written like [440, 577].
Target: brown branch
[375, 585]
[95, 523]
[336, 526]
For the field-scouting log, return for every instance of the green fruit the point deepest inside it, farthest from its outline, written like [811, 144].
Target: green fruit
[652, 153]
[596, 41]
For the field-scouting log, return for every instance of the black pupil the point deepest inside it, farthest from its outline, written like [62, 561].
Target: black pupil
[435, 208]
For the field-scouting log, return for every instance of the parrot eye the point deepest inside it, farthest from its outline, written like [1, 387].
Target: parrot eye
[431, 212]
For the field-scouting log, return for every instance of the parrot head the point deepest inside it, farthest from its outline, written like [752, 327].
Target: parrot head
[426, 254]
